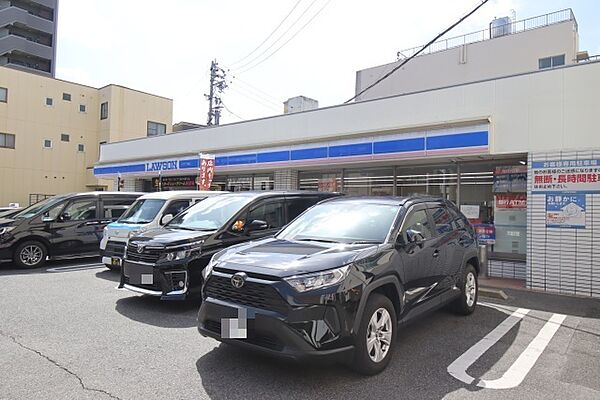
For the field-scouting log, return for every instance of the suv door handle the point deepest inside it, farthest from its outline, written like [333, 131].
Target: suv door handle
[436, 253]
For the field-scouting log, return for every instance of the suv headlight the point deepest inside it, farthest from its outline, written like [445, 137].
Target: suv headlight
[6, 229]
[214, 261]
[304, 283]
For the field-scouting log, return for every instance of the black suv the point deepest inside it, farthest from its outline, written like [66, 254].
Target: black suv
[338, 279]
[168, 261]
[62, 226]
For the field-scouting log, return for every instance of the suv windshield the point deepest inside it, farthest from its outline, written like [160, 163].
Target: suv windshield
[210, 214]
[43, 205]
[142, 211]
[343, 222]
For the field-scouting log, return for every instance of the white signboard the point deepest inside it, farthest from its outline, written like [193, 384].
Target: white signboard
[471, 212]
[566, 176]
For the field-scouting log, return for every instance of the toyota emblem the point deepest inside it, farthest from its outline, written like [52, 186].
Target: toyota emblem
[140, 248]
[238, 279]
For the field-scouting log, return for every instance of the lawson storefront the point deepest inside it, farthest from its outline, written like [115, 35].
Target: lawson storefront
[453, 163]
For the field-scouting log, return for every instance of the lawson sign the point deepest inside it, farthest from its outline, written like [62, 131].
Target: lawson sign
[162, 165]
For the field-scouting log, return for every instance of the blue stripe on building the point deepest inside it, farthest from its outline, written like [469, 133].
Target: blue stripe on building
[399, 146]
[458, 140]
[273, 156]
[309, 154]
[440, 142]
[348, 150]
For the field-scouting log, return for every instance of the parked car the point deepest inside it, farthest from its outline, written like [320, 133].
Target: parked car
[149, 211]
[64, 226]
[168, 261]
[7, 212]
[336, 282]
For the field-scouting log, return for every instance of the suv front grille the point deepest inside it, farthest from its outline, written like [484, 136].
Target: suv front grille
[252, 294]
[149, 255]
[116, 249]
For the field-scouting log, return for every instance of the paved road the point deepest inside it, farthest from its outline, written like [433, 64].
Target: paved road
[66, 333]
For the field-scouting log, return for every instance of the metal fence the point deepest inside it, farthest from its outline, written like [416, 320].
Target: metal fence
[500, 30]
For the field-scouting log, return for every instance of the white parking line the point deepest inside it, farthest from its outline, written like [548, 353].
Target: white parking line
[80, 267]
[523, 364]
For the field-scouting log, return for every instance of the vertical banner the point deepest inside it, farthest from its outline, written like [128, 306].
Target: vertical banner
[207, 171]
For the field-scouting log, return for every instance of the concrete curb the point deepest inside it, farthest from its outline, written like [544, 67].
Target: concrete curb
[493, 293]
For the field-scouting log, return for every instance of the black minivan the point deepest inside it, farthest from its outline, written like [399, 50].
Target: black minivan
[167, 262]
[64, 226]
[336, 281]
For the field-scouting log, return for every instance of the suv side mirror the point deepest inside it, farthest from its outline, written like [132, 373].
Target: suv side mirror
[415, 237]
[256, 225]
[166, 219]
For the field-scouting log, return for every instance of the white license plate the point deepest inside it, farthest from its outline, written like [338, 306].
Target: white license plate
[147, 279]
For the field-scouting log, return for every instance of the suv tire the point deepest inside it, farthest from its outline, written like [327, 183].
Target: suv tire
[30, 254]
[469, 292]
[378, 326]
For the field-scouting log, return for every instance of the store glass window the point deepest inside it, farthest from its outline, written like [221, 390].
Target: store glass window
[329, 181]
[369, 182]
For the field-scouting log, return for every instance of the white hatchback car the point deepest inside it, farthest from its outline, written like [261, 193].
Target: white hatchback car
[149, 211]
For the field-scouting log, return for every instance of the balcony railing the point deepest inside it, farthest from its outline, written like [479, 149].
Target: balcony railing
[486, 34]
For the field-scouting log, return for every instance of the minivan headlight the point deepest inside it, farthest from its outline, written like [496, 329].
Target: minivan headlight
[304, 283]
[177, 255]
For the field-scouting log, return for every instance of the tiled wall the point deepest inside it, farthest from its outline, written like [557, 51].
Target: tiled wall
[286, 179]
[563, 260]
[507, 269]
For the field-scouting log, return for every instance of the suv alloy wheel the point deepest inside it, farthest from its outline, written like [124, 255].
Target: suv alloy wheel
[376, 337]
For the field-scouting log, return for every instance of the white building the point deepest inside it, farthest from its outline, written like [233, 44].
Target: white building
[487, 124]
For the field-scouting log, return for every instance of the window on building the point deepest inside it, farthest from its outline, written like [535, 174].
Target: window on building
[82, 108]
[65, 137]
[67, 96]
[3, 94]
[7, 141]
[550, 62]
[47, 143]
[80, 148]
[156, 129]
[49, 101]
[104, 110]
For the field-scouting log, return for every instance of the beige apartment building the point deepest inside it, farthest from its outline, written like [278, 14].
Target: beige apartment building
[51, 131]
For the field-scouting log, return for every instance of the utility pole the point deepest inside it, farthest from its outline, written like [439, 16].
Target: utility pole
[217, 85]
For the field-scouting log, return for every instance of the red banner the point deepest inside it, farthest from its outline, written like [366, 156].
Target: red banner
[207, 171]
[511, 201]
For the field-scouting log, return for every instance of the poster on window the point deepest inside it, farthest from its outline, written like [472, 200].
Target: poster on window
[207, 171]
[511, 201]
[565, 210]
[328, 185]
[486, 233]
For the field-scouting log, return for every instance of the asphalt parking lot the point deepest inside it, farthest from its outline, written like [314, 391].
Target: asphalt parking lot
[67, 333]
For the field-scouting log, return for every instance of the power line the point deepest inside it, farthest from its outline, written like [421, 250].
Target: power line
[231, 112]
[396, 68]
[258, 90]
[255, 100]
[258, 95]
[280, 37]
[289, 40]
[271, 34]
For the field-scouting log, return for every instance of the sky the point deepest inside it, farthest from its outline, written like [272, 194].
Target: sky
[166, 48]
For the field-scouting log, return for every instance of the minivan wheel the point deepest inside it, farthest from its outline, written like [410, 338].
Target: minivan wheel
[376, 337]
[469, 289]
[31, 254]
